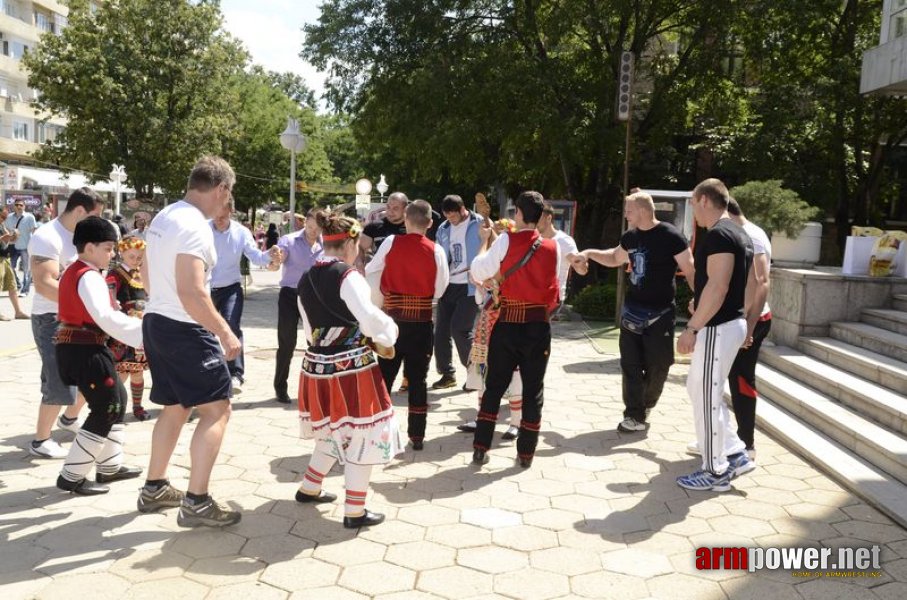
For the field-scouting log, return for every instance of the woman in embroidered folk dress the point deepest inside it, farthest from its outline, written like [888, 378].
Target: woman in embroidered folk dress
[343, 403]
[125, 283]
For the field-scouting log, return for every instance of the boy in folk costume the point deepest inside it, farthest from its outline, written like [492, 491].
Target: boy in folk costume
[521, 338]
[88, 317]
[125, 282]
[412, 271]
[343, 402]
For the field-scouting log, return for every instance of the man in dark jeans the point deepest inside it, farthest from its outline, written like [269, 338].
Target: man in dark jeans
[299, 251]
[458, 236]
[655, 250]
[233, 241]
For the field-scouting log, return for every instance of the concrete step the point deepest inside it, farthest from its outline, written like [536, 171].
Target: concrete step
[854, 473]
[886, 318]
[866, 398]
[872, 338]
[899, 301]
[874, 367]
[861, 435]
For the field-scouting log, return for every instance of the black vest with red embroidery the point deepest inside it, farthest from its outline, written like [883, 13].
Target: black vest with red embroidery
[319, 291]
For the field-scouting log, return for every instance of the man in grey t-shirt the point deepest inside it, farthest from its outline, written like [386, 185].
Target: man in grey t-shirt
[21, 224]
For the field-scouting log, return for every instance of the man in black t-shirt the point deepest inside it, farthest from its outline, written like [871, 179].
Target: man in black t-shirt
[391, 224]
[655, 251]
[714, 334]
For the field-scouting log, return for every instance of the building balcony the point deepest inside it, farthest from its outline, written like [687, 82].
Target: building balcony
[52, 5]
[27, 32]
[16, 149]
[10, 68]
[885, 69]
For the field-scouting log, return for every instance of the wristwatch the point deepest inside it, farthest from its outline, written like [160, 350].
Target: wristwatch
[688, 328]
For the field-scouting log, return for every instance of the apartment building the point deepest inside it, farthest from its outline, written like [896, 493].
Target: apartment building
[884, 68]
[22, 23]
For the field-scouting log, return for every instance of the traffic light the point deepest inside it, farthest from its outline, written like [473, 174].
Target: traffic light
[624, 86]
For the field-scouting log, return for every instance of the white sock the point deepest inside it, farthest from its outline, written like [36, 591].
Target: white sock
[111, 456]
[356, 478]
[516, 411]
[85, 448]
[319, 466]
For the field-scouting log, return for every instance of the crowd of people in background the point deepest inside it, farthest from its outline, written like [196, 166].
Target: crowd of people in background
[166, 296]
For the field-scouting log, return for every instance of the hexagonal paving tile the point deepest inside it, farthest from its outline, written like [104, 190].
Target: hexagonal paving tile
[421, 556]
[377, 578]
[532, 584]
[609, 586]
[175, 587]
[490, 518]
[249, 589]
[754, 587]
[566, 561]
[333, 592]
[460, 535]
[394, 532]
[204, 543]
[745, 526]
[553, 518]
[455, 582]
[525, 538]
[225, 570]
[306, 571]
[103, 585]
[492, 559]
[150, 565]
[683, 587]
[352, 552]
[428, 515]
[639, 563]
[278, 548]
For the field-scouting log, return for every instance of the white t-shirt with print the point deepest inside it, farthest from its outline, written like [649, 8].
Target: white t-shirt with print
[180, 228]
[567, 246]
[459, 269]
[53, 241]
[761, 245]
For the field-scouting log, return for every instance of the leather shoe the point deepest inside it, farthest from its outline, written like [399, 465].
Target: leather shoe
[418, 445]
[468, 427]
[511, 433]
[82, 488]
[479, 457]
[125, 472]
[283, 398]
[322, 496]
[364, 520]
[524, 463]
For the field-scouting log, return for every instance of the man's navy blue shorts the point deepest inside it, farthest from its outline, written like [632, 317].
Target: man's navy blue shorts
[186, 361]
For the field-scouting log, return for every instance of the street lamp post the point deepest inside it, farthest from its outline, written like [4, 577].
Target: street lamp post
[117, 178]
[294, 141]
[381, 187]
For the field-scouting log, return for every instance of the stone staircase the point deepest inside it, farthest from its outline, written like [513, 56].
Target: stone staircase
[841, 402]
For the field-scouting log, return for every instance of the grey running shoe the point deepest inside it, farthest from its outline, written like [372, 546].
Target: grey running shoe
[166, 497]
[208, 513]
[631, 425]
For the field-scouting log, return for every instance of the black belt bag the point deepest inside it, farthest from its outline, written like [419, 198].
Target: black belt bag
[636, 319]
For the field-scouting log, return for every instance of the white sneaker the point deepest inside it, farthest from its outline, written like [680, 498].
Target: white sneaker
[693, 448]
[236, 383]
[631, 425]
[74, 427]
[47, 449]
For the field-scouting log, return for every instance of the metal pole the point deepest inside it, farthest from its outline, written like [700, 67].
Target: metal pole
[621, 276]
[292, 190]
[116, 196]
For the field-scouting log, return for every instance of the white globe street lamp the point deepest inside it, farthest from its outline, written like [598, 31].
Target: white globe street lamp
[117, 178]
[382, 186]
[294, 141]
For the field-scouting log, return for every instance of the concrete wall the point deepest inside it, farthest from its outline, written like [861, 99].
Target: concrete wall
[804, 302]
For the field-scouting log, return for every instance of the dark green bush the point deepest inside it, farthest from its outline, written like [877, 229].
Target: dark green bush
[596, 302]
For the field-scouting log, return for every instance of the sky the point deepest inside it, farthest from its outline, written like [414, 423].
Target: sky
[271, 30]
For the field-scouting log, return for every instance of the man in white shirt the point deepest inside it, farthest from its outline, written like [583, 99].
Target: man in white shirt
[188, 345]
[231, 242]
[50, 251]
[565, 243]
[22, 225]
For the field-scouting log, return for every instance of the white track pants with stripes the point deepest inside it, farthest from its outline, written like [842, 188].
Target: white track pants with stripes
[714, 353]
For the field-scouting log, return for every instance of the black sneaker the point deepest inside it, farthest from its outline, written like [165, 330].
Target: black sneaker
[165, 497]
[208, 513]
[446, 382]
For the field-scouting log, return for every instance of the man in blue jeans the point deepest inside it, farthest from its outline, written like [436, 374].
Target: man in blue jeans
[458, 236]
[22, 225]
[232, 241]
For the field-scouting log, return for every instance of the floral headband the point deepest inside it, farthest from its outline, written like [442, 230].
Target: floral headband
[131, 244]
[354, 232]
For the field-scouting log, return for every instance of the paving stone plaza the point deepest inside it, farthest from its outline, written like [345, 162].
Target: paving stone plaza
[597, 516]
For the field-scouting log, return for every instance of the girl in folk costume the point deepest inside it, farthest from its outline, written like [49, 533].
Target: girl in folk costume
[343, 402]
[88, 318]
[125, 283]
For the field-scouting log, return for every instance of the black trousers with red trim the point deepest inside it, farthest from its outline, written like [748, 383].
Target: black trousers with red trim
[413, 350]
[742, 379]
[512, 345]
